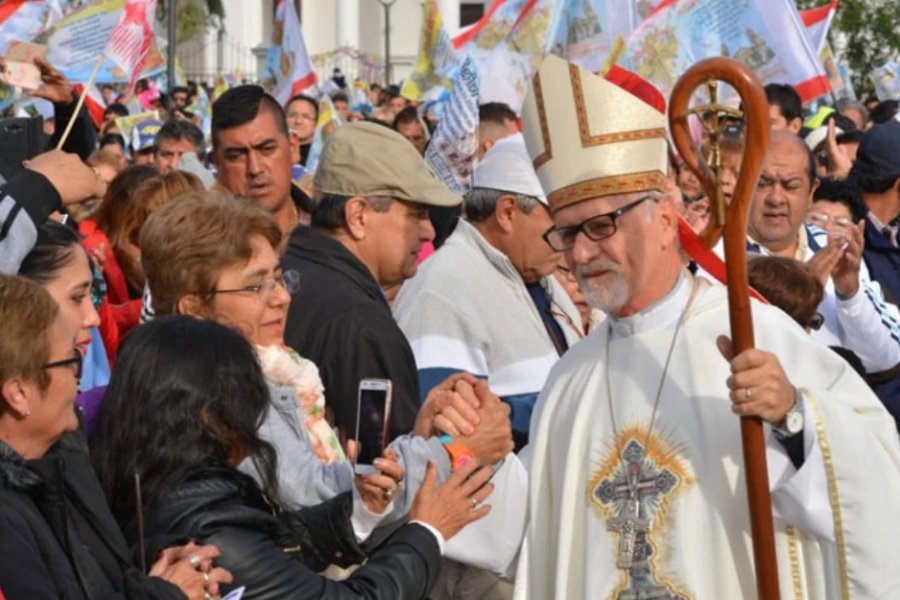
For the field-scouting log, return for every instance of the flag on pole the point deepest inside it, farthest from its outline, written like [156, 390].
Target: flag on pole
[288, 69]
[131, 39]
[818, 22]
[437, 61]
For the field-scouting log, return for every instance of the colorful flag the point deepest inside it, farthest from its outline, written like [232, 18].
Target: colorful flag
[437, 61]
[328, 121]
[81, 35]
[451, 153]
[817, 22]
[219, 87]
[130, 40]
[288, 70]
[768, 36]
[508, 47]
[585, 31]
[25, 20]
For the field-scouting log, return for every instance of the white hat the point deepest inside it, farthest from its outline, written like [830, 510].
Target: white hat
[507, 167]
[590, 136]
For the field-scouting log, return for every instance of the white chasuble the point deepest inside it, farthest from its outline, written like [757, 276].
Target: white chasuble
[626, 512]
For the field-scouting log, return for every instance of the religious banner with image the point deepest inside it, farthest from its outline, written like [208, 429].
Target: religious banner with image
[585, 31]
[508, 48]
[75, 41]
[769, 37]
[451, 153]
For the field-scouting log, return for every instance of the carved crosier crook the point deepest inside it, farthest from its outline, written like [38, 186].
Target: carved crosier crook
[733, 221]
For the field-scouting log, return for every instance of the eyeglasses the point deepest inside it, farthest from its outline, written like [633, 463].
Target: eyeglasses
[816, 322]
[289, 280]
[77, 360]
[821, 219]
[596, 228]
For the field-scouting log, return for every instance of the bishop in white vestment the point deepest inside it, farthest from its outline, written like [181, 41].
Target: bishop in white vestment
[636, 483]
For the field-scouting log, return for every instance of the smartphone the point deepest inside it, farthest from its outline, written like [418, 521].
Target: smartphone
[373, 411]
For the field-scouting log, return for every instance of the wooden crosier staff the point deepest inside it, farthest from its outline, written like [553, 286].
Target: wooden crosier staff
[733, 221]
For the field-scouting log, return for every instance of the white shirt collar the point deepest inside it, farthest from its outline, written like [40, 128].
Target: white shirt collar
[660, 316]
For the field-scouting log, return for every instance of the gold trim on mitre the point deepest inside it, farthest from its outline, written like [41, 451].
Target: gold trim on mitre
[606, 186]
[547, 154]
[588, 137]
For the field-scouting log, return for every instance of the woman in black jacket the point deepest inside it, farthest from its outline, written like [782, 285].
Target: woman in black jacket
[58, 539]
[182, 410]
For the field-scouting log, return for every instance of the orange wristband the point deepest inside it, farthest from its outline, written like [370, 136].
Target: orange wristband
[460, 454]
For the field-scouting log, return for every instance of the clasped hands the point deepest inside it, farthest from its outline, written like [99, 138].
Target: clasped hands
[464, 407]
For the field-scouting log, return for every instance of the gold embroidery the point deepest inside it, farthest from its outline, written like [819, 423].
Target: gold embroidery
[605, 186]
[587, 140]
[833, 495]
[547, 154]
[668, 474]
[795, 562]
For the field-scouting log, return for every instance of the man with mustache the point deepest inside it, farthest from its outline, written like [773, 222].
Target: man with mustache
[856, 316]
[636, 479]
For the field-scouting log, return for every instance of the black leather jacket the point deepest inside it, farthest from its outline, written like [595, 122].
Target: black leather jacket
[58, 539]
[279, 556]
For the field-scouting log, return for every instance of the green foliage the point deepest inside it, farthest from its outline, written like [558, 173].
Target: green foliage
[192, 16]
[865, 33]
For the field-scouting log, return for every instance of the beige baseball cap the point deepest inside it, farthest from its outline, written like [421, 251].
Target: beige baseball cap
[368, 159]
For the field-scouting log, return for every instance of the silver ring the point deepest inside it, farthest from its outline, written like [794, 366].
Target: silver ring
[205, 580]
[474, 503]
[389, 493]
[207, 596]
[747, 393]
[194, 560]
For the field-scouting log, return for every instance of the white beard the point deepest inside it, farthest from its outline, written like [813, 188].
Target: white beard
[609, 296]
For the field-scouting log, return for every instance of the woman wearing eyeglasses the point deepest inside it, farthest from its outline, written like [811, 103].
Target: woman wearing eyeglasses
[214, 256]
[57, 537]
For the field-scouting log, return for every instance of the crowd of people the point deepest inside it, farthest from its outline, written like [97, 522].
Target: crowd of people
[187, 320]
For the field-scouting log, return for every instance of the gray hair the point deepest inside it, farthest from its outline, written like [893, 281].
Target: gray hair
[482, 202]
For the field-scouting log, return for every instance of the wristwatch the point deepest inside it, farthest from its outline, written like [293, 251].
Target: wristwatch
[792, 424]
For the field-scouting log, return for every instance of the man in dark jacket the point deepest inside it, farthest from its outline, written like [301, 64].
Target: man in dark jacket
[877, 172]
[372, 192]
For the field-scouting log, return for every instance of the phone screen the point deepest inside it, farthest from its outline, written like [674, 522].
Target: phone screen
[371, 425]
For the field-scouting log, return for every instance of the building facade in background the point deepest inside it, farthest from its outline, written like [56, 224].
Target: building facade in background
[347, 34]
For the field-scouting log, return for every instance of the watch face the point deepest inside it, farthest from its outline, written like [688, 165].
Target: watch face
[794, 422]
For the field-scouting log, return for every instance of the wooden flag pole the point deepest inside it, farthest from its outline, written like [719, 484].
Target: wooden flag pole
[84, 91]
[733, 221]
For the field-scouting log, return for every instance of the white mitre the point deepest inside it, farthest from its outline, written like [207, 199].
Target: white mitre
[590, 136]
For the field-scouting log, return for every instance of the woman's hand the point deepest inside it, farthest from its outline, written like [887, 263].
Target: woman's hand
[190, 568]
[457, 502]
[377, 490]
